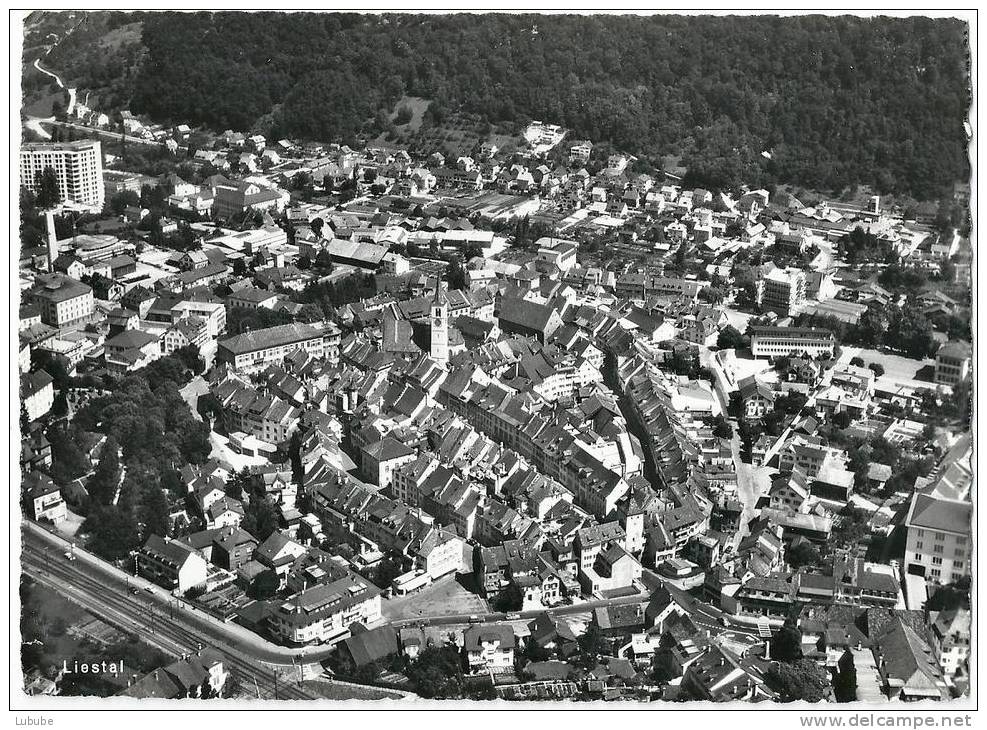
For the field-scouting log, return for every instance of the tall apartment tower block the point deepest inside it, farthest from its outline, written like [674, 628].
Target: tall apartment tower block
[78, 167]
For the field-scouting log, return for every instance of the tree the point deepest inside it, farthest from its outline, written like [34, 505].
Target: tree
[103, 484]
[260, 519]
[238, 483]
[664, 666]
[189, 357]
[722, 428]
[69, 461]
[508, 600]
[786, 644]
[264, 586]
[117, 203]
[712, 295]
[323, 261]
[593, 643]
[842, 420]
[56, 365]
[535, 652]
[798, 680]
[403, 115]
[154, 512]
[802, 555]
[310, 313]
[455, 274]
[747, 297]
[950, 596]
[850, 528]
[730, 339]
[911, 332]
[437, 672]
[857, 361]
[171, 482]
[877, 368]
[790, 403]
[114, 532]
[384, 573]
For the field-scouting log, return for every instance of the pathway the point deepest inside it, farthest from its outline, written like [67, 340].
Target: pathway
[71, 92]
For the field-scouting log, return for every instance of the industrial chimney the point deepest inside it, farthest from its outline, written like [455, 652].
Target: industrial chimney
[52, 240]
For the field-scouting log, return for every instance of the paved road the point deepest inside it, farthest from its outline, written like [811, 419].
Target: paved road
[71, 92]
[175, 627]
[100, 132]
[748, 489]
[844, 359]
[41, 548]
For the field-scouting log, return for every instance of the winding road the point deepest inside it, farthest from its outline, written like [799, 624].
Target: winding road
[71, 91]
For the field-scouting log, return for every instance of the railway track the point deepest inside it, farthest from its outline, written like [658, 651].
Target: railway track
[133, 614]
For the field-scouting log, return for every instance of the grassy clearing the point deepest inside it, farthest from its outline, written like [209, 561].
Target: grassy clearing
[417, 105]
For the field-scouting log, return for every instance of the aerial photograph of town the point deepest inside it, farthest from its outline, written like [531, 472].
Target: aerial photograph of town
[498, 358]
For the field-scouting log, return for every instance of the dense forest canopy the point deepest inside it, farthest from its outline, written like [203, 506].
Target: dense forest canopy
[836, 100]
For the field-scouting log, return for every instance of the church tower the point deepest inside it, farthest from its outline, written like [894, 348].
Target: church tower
[439, 341]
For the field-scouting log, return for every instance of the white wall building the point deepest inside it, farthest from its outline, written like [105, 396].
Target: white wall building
[78, 166]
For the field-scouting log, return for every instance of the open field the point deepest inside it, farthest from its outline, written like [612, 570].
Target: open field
[898, 370]
[417, 105]
[445, 596]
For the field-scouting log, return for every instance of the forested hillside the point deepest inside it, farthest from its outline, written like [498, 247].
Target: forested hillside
[836, 101]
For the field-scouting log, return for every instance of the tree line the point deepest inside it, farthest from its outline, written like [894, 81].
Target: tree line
[834, 100]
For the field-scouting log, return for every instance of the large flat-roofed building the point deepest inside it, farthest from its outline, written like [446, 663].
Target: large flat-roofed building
[119, 181]
[325, 612]
[557, 251]
[640, 286]
[355, 253]
[78, 167]
[235, 197]
[255, 350]
[939, 542]
[214, 313]
[93, 247]
[784, 341]
[782, 290]
[953, 363]
[63, 300]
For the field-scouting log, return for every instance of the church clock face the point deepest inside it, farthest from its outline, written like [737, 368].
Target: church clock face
[437, 322]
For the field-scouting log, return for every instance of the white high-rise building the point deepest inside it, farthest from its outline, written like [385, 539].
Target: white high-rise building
[78, 166]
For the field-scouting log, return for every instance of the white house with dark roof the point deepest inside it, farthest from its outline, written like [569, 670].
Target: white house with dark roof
[171, 564]
[381, 458]
[37, 393]
[42, 498]
[489, 648]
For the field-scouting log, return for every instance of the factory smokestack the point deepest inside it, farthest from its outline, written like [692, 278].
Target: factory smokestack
[52, 240]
